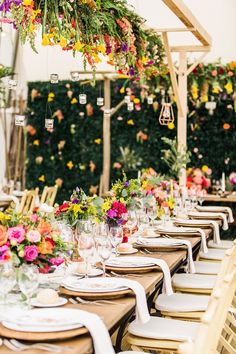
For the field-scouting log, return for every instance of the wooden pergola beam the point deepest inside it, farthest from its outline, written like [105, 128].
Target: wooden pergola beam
[189, 20]
[182, 29]
[190, 48]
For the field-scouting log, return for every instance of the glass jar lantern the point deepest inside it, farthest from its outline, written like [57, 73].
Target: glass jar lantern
[82, 98]
[54, 78]
[12, 84]
[100, 101]
[150, 100]
[49, 123]
[130, 106]
[127, 99]
[19, 120]
[74, 76]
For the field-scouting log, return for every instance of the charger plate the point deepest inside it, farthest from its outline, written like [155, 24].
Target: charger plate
[95, 296]
[161, 247]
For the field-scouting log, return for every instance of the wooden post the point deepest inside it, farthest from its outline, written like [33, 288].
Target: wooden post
[182, 116]
[106, 137]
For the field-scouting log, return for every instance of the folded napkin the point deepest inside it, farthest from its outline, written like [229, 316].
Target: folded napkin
[182, 230]
[220, 209]
[196, 222]
[10, 198]
[209, 215]
[173, 242]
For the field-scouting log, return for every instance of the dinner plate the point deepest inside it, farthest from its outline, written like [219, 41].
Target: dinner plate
[62, 301]
[99, 285]
[129, 262]
[40, 329]
[134, 250]
[95, 272]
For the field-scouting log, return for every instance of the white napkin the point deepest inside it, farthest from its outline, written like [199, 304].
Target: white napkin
[216, 229]
[45, 208]
[9, 198]
[181, 230]
[173, 242]
[221, 209]
[209, 215]
[142, 313]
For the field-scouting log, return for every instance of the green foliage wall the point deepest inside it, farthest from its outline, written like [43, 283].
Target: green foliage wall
[72, 153]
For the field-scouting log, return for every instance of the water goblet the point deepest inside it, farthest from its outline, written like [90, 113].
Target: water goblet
[152, 213]
[86, 248]
[104, 250]
[116, 236]
[28, 281]
[7, 279]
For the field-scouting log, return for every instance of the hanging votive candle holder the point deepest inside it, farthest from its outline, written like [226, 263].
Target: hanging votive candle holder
[19, 120]
[12, 84]
[100, 101]
[150, 100]
[166, 115]
[130, 106]
[82, 98]
[74, 76]
[49, 123]
[127, 99]
[54, 78]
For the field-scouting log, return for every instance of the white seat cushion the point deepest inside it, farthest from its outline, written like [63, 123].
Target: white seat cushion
[202, 267]
[194, 281]
[164, 328]
[214, 254]
[224, 244]
[181, 302]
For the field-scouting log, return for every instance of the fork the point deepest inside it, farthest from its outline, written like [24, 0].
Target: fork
[43, 346]
[97, 302]
[125, 275]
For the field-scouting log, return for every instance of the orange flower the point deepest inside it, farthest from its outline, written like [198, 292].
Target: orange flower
[44, 227]
[226, 126]
[31, 130]
[46, 247]
[3, 235]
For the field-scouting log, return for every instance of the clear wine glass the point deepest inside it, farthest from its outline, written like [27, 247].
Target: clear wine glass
[152, 213]
[86, 247]
[116, 236]
[28, 281]
[7, 279]
[200, 197]
[104, 250]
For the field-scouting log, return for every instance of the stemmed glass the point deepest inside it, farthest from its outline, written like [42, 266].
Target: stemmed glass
[200, 197]
[104, 250]
[86, 248]
[7, 279]
[152, 213]
[116, 236]
[132, 221]
[28, 281]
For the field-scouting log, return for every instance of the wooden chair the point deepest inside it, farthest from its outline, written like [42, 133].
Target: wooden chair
[28, 201]
[200, 338]
[49, 195]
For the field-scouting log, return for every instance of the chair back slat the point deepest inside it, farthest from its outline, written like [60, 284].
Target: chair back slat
[28, 201]
[49, 195]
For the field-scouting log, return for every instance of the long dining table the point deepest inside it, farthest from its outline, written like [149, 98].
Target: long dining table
[117, 314]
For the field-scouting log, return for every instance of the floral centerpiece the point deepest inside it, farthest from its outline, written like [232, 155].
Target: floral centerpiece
[31, 239]
[80, 207]
[92, 28]
[115, 212]
[127, 192]
[232, 180]
[198, 179]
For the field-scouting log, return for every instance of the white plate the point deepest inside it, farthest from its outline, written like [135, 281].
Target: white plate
[129, 262]
[99, 285]
[62, 301]
[95, 272]
[45, 320]
[134, 250]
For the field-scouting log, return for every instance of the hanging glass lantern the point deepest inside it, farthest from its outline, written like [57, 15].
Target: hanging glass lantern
[82, 98]
[127, 99]
[19, 120]
[150, 100]
[130, 106]
[74, 76]
[49, 123]
[54, 78]
[12, 84]
[100, 101]
[166, 116]
[210, 106]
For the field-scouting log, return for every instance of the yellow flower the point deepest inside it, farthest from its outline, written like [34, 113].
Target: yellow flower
[70, 165]
[98, 141]
[74, 101]
[77, 209]
[45, 40]
[136, 100]
[205, 168]
[106, 206]
[101, 48]
[144, 184]
[144, 60]
[35, 13]
[171, 126]
[51, 96]
[130, 122]
[27, 2]
[36, 142]
[122, 90]
[41, 178]
[78, 46]
[204, 98]
[122, 200]
[2, 216]
[123, 76]
[63, 42]
[229, 87]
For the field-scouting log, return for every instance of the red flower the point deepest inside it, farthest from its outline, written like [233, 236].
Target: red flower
[62, 208]
[120, 208]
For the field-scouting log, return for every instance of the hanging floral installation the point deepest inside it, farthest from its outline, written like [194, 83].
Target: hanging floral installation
[93, 28]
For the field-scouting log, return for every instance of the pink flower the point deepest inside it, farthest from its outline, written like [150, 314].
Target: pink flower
[5, 253]
[16, 234]
[33, 236]
[31, 253]
[57, 261]
[117, 165]
[34, 218]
